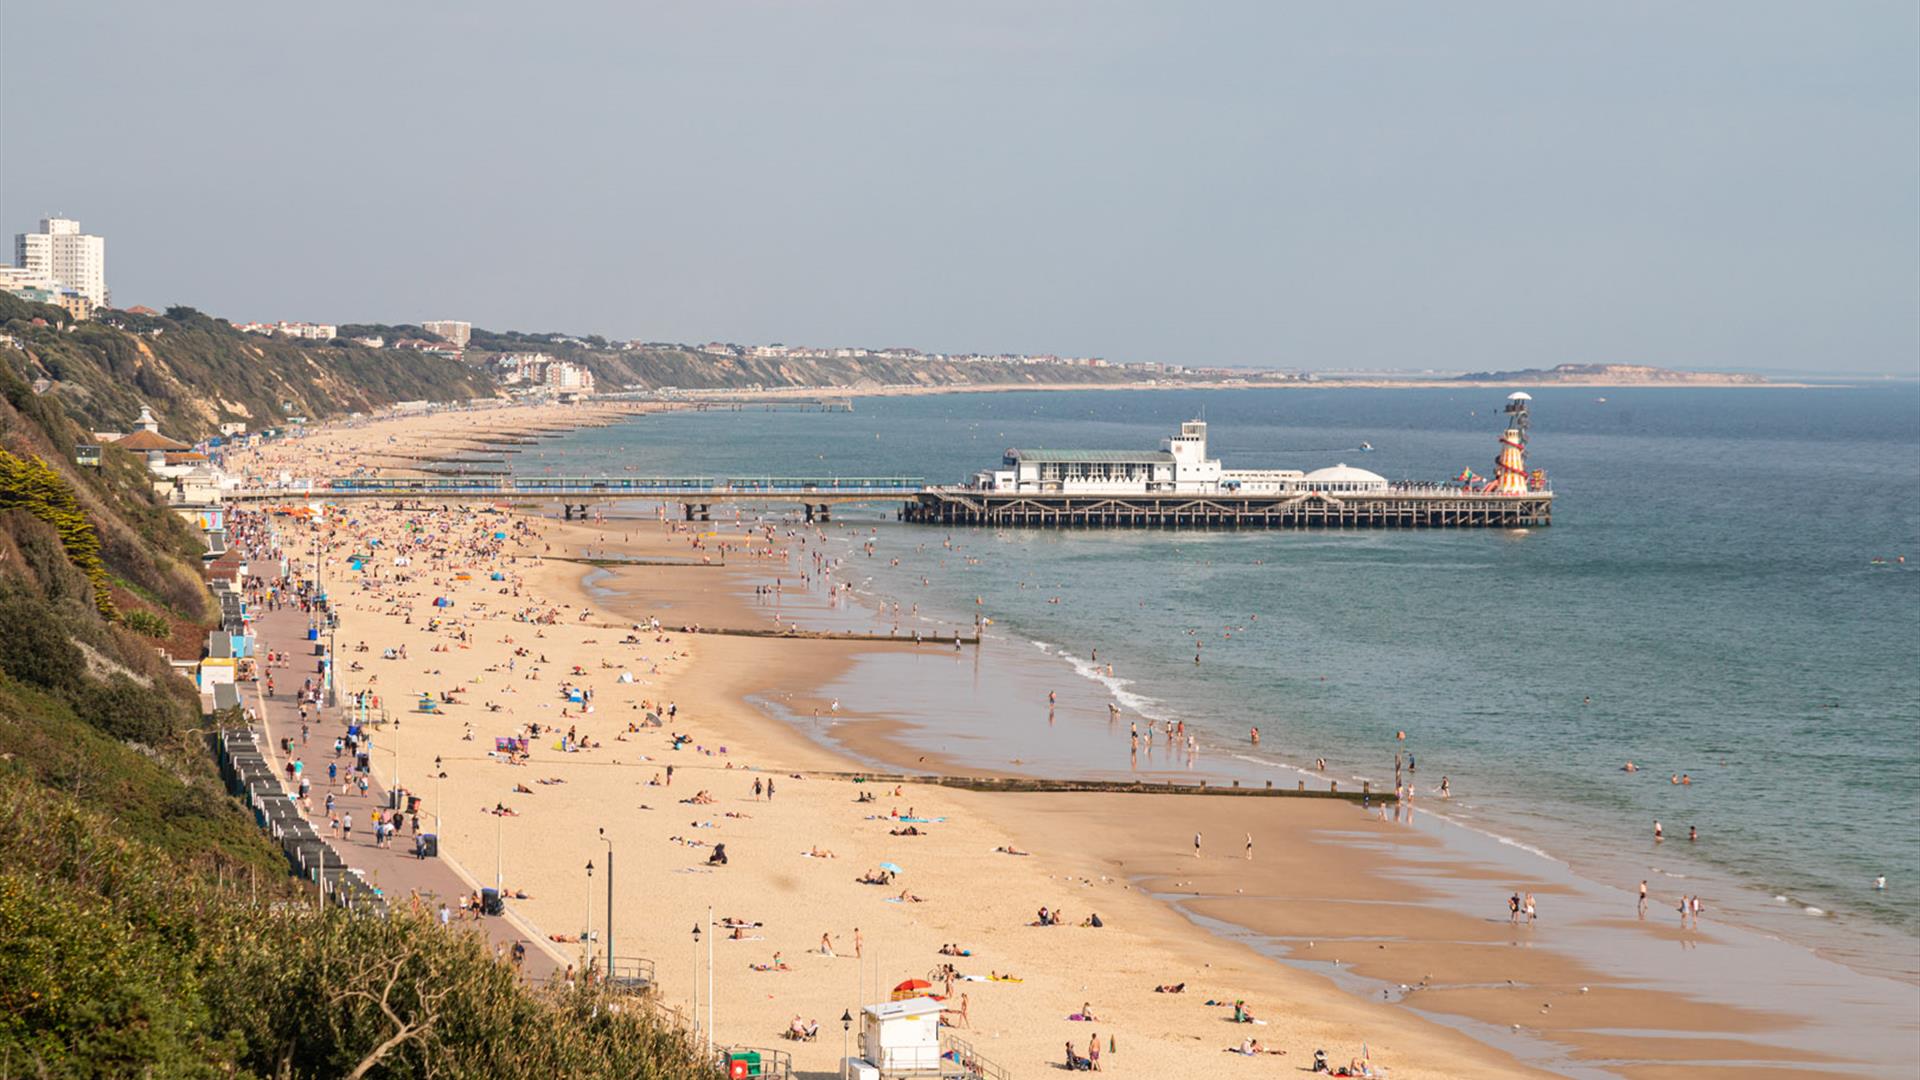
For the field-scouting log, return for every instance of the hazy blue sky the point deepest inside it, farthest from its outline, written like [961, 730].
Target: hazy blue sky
[1731, 185]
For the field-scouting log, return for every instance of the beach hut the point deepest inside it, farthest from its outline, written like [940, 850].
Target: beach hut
[899, 1038]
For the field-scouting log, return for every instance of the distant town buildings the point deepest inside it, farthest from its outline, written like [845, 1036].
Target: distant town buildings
[564, 378]
[456, 333]
[63, 255]
[303, 330]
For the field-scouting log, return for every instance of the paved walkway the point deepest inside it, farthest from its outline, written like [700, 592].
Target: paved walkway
[394, 870]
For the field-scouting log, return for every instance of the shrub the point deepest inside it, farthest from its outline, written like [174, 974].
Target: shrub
[147, 623]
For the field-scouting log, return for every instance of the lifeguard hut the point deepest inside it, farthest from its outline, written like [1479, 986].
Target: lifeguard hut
[898, 1039]
[903, 1040]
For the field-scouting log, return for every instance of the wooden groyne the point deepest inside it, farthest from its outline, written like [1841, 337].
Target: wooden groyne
[828, 635]
[626, 560]
[1364, 794]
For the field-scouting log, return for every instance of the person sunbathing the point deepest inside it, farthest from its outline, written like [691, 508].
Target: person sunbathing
[1009, 849]
[908, 896]
[522, 789]
[908, 831]
[1171, 988]
[876, 877]
[820, 853]
[954, 950]
[1003, 976]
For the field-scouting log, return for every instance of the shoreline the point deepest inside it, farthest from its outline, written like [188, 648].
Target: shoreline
[728, 665]
[875, 740]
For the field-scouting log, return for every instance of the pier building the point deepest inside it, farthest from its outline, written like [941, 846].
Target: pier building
[1180, 486]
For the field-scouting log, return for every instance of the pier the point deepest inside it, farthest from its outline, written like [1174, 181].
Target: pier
[1407, 507]
[1410, 506]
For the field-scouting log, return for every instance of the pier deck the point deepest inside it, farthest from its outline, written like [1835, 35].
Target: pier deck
[1410, 508]
[1407, 506]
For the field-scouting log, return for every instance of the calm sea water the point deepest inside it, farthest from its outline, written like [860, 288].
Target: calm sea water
[1707, 602]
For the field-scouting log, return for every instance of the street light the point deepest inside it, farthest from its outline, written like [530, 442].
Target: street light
[439, 774]
[710, 937]
[604, 838]
[696, 980]
[846, 1037]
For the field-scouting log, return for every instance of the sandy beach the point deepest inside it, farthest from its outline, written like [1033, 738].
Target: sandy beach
[492, 616]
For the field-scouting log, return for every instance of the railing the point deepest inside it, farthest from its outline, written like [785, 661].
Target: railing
[633, 974]
[959, 1059]
[646, 485]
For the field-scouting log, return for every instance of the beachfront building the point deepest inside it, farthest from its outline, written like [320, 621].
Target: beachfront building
[66, 257]
[567, 378]
[1180, 467]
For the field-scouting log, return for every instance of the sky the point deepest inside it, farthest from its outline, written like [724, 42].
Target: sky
[1458, 186]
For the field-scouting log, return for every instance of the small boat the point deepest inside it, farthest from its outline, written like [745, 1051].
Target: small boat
[1366, 446]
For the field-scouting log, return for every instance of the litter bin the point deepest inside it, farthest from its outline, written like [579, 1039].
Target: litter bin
[313, 633]
[427, 845]
[490, 902]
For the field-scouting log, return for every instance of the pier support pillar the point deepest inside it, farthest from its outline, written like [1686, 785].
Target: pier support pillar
[824, 513]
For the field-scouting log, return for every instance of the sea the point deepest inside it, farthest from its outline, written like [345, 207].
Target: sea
[1721, 597]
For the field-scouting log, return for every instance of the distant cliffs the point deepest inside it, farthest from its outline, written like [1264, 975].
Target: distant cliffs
[1613, 375]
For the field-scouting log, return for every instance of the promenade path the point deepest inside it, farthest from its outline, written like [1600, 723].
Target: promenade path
[394, 871]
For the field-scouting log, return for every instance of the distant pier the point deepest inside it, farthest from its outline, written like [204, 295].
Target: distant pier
[1412, 507]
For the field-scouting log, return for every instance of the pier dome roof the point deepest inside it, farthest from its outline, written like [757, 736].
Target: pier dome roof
[1346, 476]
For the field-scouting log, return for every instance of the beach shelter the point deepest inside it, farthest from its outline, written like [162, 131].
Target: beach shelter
[893, 867]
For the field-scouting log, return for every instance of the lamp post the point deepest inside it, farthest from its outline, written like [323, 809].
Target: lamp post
[710, 936]
[696, 980]
[846, 1040]
[439, 774]
[498, 823]
[608, 951]
[586, 970]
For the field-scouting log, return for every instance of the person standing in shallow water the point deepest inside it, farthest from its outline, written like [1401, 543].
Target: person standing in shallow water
[1196, 845]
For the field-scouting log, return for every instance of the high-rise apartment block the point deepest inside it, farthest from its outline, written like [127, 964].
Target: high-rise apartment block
[62, 254]
[457, 333]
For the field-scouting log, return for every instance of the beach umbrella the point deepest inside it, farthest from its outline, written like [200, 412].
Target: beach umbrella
[910, 989]
[892, 867]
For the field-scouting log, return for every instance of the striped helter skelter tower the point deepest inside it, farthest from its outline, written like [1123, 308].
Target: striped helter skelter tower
[1510, 468]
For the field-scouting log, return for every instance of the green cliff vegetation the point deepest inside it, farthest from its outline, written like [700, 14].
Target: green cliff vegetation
[197, 372]
[147, 926]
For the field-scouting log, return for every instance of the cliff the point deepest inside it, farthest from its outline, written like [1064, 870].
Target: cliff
[1613, 375]
[197, 372]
